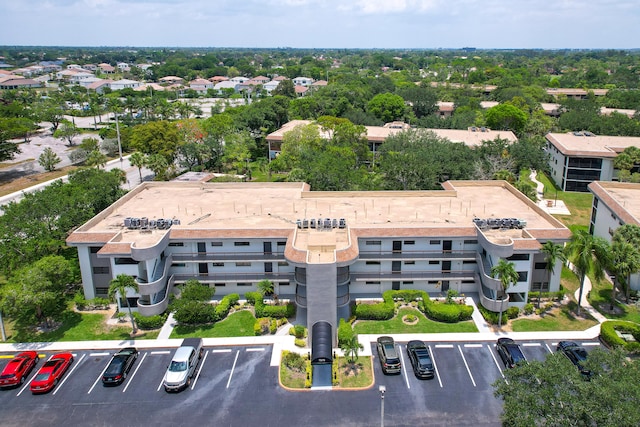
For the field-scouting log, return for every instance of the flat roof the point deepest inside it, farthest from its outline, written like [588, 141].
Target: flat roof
[264, 210]
[586, 144]
[472, 136]
[622, 198]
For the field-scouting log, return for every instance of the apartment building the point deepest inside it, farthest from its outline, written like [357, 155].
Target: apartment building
[323, 250]
[579, 158]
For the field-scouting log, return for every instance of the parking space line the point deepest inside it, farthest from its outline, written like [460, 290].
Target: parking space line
[69, 373]
[255, 349]
[531, 344]
[233, 368]
[548, 348]
[404, 366]
[161, 352]
[222, 350]
[433, 359]
[465, 364]
[493, 356]
[473, 346]
[590, 344]
[161, 381]
[99, 376]
[444, 345]
[134, 373]
[206, 353]
[98, 354]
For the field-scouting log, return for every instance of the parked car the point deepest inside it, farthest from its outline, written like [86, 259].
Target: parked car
[119, 366]
[510, 352]
[420, 359]
[576, 354]
[18, 368]
[388, 355]
[183, 365]
[50, 373]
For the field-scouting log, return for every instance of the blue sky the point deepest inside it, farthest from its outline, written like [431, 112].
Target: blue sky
[323, 23]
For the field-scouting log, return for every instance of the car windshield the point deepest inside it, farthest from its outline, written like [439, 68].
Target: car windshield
[178, 366]
[581, 354]
[516, 354]
[42, 377]
[5, 376]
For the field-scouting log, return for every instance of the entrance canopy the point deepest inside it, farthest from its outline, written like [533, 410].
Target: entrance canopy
[321, 343]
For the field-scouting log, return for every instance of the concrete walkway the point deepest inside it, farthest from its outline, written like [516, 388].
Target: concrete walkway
[584, 304]
[555, 207]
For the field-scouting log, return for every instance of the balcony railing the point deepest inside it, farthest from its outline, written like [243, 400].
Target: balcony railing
[159, 276]
[158, 305]
[236, 277]
[486, 279]
[415, 275]
[227, 256]
[416, 255]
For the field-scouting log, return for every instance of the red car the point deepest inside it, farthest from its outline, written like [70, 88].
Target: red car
[51, 372]
[18, 368]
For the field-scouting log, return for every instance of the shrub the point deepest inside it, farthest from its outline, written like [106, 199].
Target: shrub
[345, 332]
[293, 361]
[261, 326]
[264, 310]
[513, 312]
[149, 322]
[610, 337]
[309, 369]
[300, 342]
[79, 301]
[528, 308]
[491, 316]
[273, 326]
[194, 290]
[222, 309]
[443, 312]
[191, 312]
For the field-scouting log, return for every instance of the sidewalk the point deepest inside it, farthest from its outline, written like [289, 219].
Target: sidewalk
[554, 207]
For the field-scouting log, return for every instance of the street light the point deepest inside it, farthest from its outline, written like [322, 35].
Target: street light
[382, 390]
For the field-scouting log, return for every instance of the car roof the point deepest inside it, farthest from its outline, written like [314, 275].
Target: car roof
[182, 354]
[385, 339]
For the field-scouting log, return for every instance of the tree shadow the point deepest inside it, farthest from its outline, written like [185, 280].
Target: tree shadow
[27, 333]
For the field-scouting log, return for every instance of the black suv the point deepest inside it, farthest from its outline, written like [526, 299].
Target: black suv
[510, 352]
[388, 355]
[576, 354]
[420, 359]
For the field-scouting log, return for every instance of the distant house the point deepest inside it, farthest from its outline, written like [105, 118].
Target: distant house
[575, 93]
[123, 66]
[17, 82]
[99, 85]
[226, 85]
[301, 90]
[303, 81]
[270, 86]
[261, 80]
[170, 80]
[200, 85]
[445, 108]
[239, 79]
[107, 68]
[218, 79]
[124, 84]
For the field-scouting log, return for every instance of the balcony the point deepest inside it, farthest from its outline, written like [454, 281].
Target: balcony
[414, 275]
[415, 255]
[235, 277]
[485, 274]
[159, 278]
[200, 257]
[158, 303]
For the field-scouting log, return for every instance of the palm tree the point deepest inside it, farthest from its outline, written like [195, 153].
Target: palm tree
[628, 233]
[553, 253]
[119, 287]
[137, 160]
[265, 287]
[351, 347]
[505, 272]
[625, 260]
[588, 254]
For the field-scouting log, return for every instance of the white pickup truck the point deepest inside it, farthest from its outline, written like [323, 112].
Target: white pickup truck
[183, 365]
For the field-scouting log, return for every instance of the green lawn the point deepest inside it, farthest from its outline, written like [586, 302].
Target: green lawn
[555, 320]
[424, 325]
[357, 375]
[579, 204]
[80, 327]
[600, 299]
[238, 324]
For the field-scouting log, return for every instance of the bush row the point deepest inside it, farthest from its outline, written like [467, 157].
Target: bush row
[265, 310]
[557, 296]
[147, 323]
[92, 304]
[192, 312]
[491, 316]
[441, 312]
[610, 337]
[345, 332]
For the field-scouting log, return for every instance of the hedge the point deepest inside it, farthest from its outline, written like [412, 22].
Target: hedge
[265, 310]
[608, 334]
[491, 316]
[440, 312]
[149, 322]
[225, 304]
[345, 332]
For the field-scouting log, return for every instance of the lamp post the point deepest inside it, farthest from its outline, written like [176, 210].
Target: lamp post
[382, 390]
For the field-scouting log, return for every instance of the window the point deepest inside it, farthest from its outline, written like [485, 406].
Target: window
[180, 244]
[102, 291]
[178, 264]
[432, 282]
[373, 242]
[409, 242]
[373, 263]
[243, 264]
[287, 283]
[409, 263]
[540, 266]
[470, 242]
[282, 243]
[217, 244]
[468, 281]
[540, 287]
[408, 282]
[243, 284]
[101, 270]
[220, 285]
[434, 262]
[121, 261]
[434, 242]
[241, 243]
[94, 249]
[519, 257]
[467, 261]
[522, 276]
[283, 264]
[217, 264]
[371, 283]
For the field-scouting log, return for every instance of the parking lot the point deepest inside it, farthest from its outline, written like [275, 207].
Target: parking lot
[237, 386]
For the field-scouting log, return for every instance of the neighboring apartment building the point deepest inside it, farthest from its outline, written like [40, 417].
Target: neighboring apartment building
[376, 135]
[614, 204]
[322, 250]
[579, 158]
